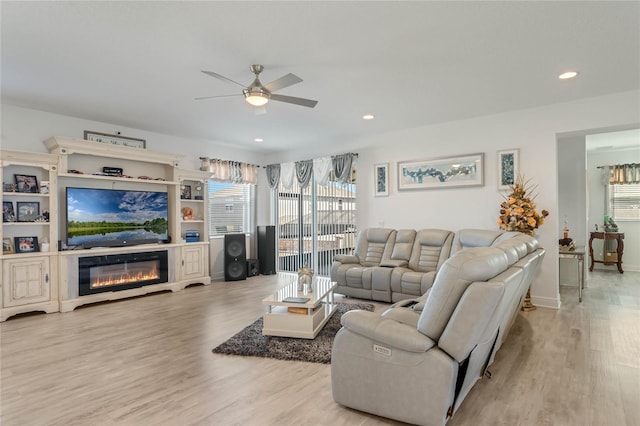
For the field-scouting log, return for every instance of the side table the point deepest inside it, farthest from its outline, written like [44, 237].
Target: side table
[578, 254]
[619, 237]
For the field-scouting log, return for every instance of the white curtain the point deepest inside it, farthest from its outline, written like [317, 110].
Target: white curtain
[321, 170]
[230, 171]
[287, 170]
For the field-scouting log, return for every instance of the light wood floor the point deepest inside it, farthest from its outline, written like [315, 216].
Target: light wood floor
[148, 361]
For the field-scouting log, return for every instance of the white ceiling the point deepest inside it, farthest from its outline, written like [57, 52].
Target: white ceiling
[138, 64]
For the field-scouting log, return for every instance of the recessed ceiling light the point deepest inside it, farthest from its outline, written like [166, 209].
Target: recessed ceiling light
[258, 140]
[368, 117]
[567, 75]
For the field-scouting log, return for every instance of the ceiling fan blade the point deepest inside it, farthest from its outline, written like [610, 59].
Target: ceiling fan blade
[293, 100]
[222, 77]
[282, 82]
[216, 96]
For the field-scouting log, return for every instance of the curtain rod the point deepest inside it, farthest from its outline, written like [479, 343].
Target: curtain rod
[232, 161]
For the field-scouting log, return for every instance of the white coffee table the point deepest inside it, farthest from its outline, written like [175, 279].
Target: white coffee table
[301, 320]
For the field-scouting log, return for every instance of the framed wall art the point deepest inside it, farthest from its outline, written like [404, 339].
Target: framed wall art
[508, 168]
[381, 177]
[28, 211]
[26, 183]
[7, 246]
[26, 244]
[440, 173]
[114, 139]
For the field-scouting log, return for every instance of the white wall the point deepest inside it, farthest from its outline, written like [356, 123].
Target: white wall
[534, 131]
[572, 199]
[595, 158]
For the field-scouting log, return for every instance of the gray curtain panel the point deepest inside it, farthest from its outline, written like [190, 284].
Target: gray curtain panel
[342, 166]
[273, 175]
[304, 171]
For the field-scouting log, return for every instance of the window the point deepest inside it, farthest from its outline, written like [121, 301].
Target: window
[231, 207]
[625, 201]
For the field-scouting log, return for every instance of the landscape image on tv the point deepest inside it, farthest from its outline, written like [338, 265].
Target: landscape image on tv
[96, 216]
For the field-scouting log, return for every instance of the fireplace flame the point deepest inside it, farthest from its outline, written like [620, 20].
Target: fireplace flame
[126, 278]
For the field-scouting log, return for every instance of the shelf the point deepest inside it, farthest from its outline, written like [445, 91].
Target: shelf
[27, 255]
[25, 223]
[182, 200]
[192, 221]
[25, 194]
[116, 179]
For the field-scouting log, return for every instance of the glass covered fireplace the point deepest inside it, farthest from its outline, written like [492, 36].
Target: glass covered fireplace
[98, 274]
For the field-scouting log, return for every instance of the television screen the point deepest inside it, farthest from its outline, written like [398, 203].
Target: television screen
[110, 217]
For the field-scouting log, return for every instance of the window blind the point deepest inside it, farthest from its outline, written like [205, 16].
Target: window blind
[625, 202]
[231, 207]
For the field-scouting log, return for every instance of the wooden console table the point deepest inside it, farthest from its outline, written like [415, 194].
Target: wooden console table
[618, 236]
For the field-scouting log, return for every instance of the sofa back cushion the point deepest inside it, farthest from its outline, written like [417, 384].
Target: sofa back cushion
[374, 245]
[453, 279]
[467, 238]
[403, 244]
[430, 250]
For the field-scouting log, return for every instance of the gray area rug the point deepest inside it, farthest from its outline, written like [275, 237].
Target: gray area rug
[251, 342]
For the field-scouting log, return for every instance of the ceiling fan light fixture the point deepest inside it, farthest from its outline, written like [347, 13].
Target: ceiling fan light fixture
[256, 98]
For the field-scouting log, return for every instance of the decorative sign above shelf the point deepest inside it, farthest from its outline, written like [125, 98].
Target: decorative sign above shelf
[114, 139]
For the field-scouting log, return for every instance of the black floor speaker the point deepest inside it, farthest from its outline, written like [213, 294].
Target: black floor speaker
[235, 257]
[267, 249]
[252, 268]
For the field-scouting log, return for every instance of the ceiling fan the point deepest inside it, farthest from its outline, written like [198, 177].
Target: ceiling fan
[257, 94]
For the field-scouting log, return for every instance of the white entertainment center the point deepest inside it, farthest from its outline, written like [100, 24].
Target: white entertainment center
[45, 278]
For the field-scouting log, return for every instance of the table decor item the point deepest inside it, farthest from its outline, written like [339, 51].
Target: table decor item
[26, 244]
[28, 211]
[26, 183]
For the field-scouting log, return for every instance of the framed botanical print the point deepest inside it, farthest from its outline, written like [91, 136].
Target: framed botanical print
[381, 177]
[508, 168]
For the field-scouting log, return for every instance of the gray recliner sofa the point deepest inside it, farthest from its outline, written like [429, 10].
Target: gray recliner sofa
[417, 360]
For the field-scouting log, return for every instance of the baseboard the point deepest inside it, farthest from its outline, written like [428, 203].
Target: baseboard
[546, 302]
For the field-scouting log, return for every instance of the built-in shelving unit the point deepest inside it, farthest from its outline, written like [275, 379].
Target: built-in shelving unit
[29, 259]
[48, 280]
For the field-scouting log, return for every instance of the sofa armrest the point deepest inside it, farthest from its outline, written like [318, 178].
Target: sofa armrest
[386, 331]
[346, 258]
[390, 263]
[402, 315]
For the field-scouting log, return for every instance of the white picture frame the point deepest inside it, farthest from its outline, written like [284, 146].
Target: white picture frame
[381, 179]
[114, 139]
[441, 173]
[508, 168]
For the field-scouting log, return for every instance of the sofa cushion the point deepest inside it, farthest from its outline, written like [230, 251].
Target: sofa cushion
[430, 249]
[467, 238]
[453, 279]
[403, 244]
[375, 245]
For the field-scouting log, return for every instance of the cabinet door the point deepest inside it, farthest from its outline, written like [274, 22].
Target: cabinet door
[26, 281]
[192, 262]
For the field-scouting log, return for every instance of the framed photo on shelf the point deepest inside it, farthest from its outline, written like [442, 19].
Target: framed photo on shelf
[26, 183]
[381, 176]
[438, 173]
[26, 244]
[8, 214]
[508, 168]
[185, 192]
[28, 211]
[7, 246]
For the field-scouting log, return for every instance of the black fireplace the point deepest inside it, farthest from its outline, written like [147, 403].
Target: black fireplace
[115, 272]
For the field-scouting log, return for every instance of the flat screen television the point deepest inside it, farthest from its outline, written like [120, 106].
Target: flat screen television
[114, 218]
